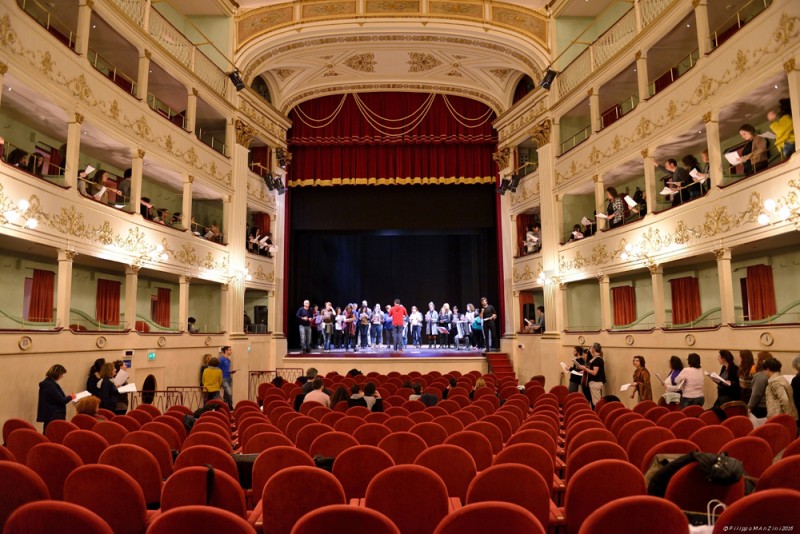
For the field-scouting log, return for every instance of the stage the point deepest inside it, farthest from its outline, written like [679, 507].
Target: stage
[389, 353]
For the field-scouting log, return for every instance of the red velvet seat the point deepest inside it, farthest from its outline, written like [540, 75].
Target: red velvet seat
[376, 417]
[476, 444]
[309, 433]
[632, 428]
[482, 517]
[592, 452]
[156, 445]
[13, 424]
[787, 421]
[111, 431]
[203, 455]
[454, 466]
[416, 511]
[670, 446]
[84, 421]
[399, 423]
[430, 432]
[776, 435]
[784, 474]
[53, 462]
[208, 438]
[22, 440]
[643, 441]
[55, 516]
[140, 465]
[88, 445]
[102, 489]
[165, 431]
[189, 486]
[754, 453]
[273, 460]
[331, 444]
[492, 433]
[514, 483]
[684, 428]
[348, 424]
[644, 406]
[403, 447]
[691, 491]
[56, 430]
[371, 433]
[343, 518]
[669, 419]
[177, 425]
[357, 466]
[213, 426]
[199, 519]
[590, 435]
[692, 411]
[711, 438]
[20, 485]
[128, 422]
[266, 440]
[148, 409]
[248, 431]
[739, 425]
[620, 421]
[748, 514]
[639, 513]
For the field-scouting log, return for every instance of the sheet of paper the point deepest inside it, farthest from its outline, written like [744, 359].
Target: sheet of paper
[577, 235]
[767, 135]
[130, 388]
[700, 179]
[576, 373]
[601, 216]
[629, 201]
[586, 222]
[716, 378]
[733, 158]
[625, 387]
[564, 366]
[89, 170]
[666, 191]
[81, 395]
[121, 378]
[694, 173]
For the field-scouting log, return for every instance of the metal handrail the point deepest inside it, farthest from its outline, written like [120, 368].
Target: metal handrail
[620, 108]
[574, 139]
[164, 110]
[49, 21]
[737, 20]
[110, 70]
[213, 142]
[691, 59]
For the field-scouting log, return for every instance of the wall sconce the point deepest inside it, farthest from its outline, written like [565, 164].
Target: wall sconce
[775, 212]
[20, 216]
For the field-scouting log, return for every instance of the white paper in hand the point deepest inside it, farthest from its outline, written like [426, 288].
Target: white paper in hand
[601, 216]
[733, 158]
[666, 191]
[625, 387]
[81, 395]
[767, 135]
[130, 388]
[89, 170]
[694, 174]
[586, 222]
[629, 201]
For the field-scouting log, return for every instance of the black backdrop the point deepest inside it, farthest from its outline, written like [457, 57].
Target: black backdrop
[415, 243]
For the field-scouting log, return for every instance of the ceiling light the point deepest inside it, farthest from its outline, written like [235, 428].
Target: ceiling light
[776, 87]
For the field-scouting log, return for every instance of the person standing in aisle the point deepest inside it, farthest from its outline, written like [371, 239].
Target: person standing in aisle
[489, 317]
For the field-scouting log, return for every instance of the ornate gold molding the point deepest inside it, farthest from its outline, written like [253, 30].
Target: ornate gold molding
[244, 133]
[140, 153]
[69, 255]
[78, 118]
[540, 133]
[789, 65]
[501, 157]
[3, 69]
[361, 62]
[707, 117]
[722, 254]
[148, 54]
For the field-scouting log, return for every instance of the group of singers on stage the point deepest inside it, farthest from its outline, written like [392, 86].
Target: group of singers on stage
[368, 327]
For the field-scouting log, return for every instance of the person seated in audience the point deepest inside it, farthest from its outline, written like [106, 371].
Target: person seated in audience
[162, 216]
[796, 388]
[18, 158]
[417, 388]
[533, 239]
[177, 220]
[88, 406]
[783, 128]
[35, 164]
[755, 153]
[780, 398]
[306, 381]
[479, 383]
[191, 327]
[355, 396]
[676, 179]
[212, 380]
[99, 188]
[369, 398]
[316, 394]
[757, 404]
[213, 233]
[124, 186]
[446, 391]
[616, 208]
[577, 233]
[338, 396]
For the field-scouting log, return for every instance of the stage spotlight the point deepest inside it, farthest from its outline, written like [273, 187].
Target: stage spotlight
[547, 79]
[515, 179]
[281, 158]
[268, 180]
[504, 185]
[236, 78]
[279, 186]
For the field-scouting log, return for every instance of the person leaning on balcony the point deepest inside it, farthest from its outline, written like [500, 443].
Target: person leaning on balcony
[676, 179]
[755, 154]
[616, 208]
[783, 128]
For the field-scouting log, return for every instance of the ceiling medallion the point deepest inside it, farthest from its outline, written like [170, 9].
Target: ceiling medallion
[421, 62]
[362, 62]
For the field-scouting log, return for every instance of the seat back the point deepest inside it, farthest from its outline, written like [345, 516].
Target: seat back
[208, 438]
[191, 486]
[783, 474]
[416, 511]
[590, 435]
[199, 519]
[739, 425]
[56, 430]
[630, 429]
[431, 433]
[403, 447]
[517, 484]
[101, 489]
[492, 433]
[482, 517]
[643, 441]
[22, 440]
[54, 516]
[639, 513]
[670, 446]
[111, 431]
[205, 455]
[331, 444]
[787, 421]
[309, 433]
[156, 445]
[684, 428]
[342, 518]
[779, 505]
[534, 456]
[275, 459]
[588, 453]
[691, 491]
[175, 424]
[265, 440]
[165, 431]
[13, 424]
[776, 435]
[454, 466]
[139, 464]
[754, 453]
[356, 466]
[53, 462]
[711, 438]
[20, 485]
[476, 444]
[371, 433]
[293, 492]
[88, 445]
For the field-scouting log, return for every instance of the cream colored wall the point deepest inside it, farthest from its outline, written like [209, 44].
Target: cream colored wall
[148, 288]
[576, 207]
[205, 303]
[583, 305]
[208, 212]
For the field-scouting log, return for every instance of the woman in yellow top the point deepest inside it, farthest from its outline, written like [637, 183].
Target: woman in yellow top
[212, 379]
[641, 380]
[783, 128]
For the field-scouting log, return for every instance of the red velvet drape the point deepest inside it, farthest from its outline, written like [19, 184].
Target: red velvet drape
[760, 292]
[525, 297]
[42, 293]
[261, 221]
[163, 306]
[56, 166]
[262, 159]
[685, 299]
[443, 147]
[524, 220]
[107, 302]
[624, 298]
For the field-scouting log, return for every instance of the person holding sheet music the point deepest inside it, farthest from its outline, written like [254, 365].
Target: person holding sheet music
[109, 395]
[616, 208]
[431, 325]
[676, 179]
[52, 399]
[696, 186]
[575, 375]
[689, 383]
[728, 388]
[594, 374]
[755, 153]
[641, 380]
[533, 239]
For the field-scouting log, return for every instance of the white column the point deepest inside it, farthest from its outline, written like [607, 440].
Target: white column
[605, 302]
[642, 82]
[84, 27]
[650, 186]
[143, 74]
[183, 302]
[515, 311]
[64, 294]
[725, 273]
[191, 110]
[659, 307]
[508, 246]
[131, 287]
[73, 156]
[552, 290]
[186, 203]
[551, 213]
[279, 239]
[137, 168]
[703, 31]
[594, 110]
[600, 201]
[714, 146]
[638, 12]
[792, 68]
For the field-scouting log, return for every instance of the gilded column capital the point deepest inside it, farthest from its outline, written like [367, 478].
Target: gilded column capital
[590, 91]
[645, 152]
[541, 132]
[638, 55]
[195, 92]
[140, 153]
[596, 179]
[696, 3]
[3, 69]
[78, 118]
[516, 293]
[722, 254]
[790, 65]
[133, 269]
[66, 255]
[190, 179]
[655, 269]
[185, 279]
[707, 117]
[148, 54]
[602, 279]
[89, 4]
[244, 133]
[501, 157]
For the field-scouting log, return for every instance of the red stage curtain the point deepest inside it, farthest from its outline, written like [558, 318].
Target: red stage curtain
[525, 297]
[444, 146]
[42, 293]
[162, 306]
[760, 292]
[685, 299]
[624, 298]
[524, 220]
[261, 221]
[107, 302]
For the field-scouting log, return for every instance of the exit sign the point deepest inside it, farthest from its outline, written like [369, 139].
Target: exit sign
[151, 355]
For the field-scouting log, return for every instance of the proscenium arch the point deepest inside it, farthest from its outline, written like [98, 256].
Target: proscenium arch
[516, 52]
